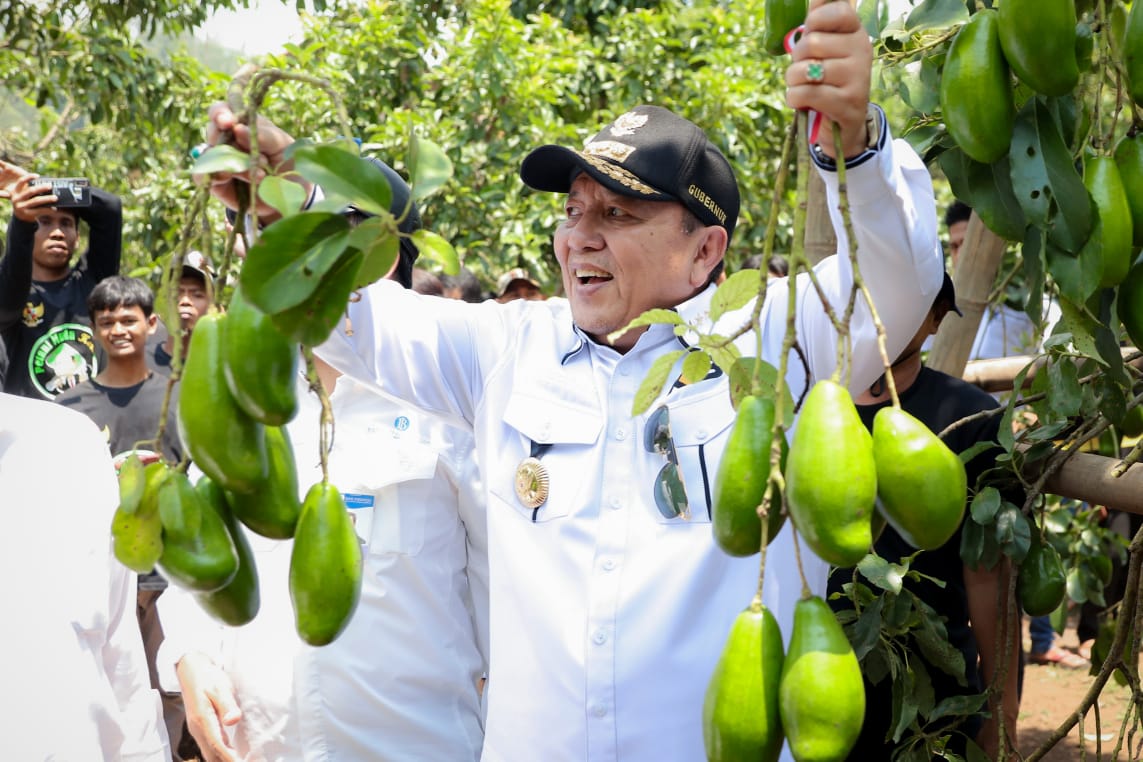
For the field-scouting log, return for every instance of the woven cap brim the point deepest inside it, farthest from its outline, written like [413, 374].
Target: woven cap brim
[552, 168]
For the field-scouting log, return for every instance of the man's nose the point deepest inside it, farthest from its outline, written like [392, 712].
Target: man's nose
[585, 235]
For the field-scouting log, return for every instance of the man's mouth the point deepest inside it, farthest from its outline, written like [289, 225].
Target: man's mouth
[588, 276]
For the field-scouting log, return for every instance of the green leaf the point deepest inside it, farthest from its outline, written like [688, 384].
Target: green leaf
[429, 167]
[881, 573]
[936, 14]
[696, 366]
[311, 323]
[987, 188]
[904, 703]
[342, 173]
[436, 249]
[380, 246]
[741, 374]
[221, 158]
[971, 543]
[1008, 518]
[1077, 276]
[985, 504]
[973, 752]
[650, 317]
[655, 380]
[1078, 322]
[958, 706]
[1077, 590]
[932, 638]
[1065, 394]
[722, 352]
[1044, 177]
[290, 259]
[735, 292]
[285, 196]
[977, 448]
[867, 630]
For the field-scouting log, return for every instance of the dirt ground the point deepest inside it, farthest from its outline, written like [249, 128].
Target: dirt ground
[1052, 693]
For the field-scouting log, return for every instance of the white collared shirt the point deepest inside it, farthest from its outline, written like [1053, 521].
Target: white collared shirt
[400, 683]
[72, 663]
[607, 619]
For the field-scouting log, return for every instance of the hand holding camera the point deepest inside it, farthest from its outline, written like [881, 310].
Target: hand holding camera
[70, 192]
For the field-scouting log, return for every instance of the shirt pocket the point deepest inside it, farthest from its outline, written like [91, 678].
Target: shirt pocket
[379, 484]
[564, 440]
[700, 427]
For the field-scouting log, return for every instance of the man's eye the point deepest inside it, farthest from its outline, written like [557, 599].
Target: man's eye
[614, 211]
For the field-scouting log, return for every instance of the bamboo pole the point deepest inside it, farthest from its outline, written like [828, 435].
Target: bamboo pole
[1087, 476]
[980, 258]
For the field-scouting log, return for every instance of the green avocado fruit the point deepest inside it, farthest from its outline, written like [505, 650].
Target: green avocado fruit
[740, 712]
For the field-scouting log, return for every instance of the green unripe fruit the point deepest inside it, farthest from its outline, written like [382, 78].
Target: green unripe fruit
[740, 712]
[821, 696]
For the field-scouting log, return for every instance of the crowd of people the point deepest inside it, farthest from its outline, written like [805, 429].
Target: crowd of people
[539, 605]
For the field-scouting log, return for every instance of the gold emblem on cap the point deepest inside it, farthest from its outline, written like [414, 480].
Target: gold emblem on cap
[531, 483]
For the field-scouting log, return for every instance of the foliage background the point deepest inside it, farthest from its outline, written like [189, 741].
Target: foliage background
[118, 92]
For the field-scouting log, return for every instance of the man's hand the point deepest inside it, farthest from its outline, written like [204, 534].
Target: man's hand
[272, 143]
[829, 72]
[208, 697]
[10, 177]
[29, 201]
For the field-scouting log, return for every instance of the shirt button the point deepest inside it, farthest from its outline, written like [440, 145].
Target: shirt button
[624, 370]
[701, 433]
[608, 564]
[616, 503]
[599, 711]
[621, 434]
[600, 637]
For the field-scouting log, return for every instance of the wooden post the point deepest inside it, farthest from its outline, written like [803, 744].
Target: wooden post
[821, 241]
[980, 258]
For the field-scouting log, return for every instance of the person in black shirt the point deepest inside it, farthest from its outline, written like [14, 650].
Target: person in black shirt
[968, 599]
[43, 299]
[196, 289]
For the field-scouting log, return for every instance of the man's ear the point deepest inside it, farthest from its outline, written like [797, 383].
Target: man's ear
[937, 315]
[152, 323]
[710, 252]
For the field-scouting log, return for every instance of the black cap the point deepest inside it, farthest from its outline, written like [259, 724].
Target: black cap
[400, 193]
[948, 294]
[649, 153]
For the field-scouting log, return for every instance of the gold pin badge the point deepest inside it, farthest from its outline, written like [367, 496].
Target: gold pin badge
[531, 483]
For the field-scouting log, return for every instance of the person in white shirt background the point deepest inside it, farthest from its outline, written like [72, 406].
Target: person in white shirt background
[402, 681]
[75, 679]
[609, 607]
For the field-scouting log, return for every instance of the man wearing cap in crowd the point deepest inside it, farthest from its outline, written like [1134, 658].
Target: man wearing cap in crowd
[195, 294]
[518, 284]
[609, 607]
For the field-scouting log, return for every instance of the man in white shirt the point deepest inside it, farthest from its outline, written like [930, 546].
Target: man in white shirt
[72, 662]
[401, 682]
[608, 607]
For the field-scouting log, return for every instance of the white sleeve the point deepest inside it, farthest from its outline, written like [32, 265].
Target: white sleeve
[186, 627]
[893, 211]
[429, 352]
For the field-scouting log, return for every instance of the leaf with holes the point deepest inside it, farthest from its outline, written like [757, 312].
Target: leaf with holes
[1044, 177]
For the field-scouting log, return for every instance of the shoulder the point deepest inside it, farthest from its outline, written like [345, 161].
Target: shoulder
[43, 419]
[967, 398]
